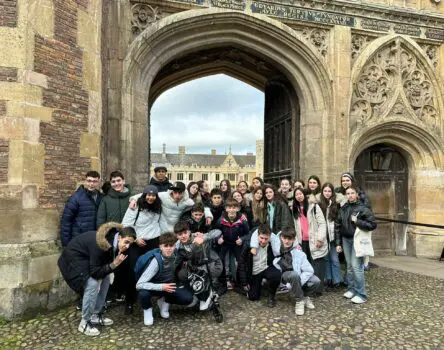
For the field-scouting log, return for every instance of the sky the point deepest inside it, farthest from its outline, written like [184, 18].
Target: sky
[213, 112]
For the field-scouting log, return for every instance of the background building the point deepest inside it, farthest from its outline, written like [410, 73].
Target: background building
[210, 167]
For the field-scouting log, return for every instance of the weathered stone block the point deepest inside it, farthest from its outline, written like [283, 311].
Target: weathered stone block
[40, 225]
[43, 269]
[11, 226]
[30, 77]
[28, 110]
[12, 48]
[10, 197]
[33, 163]
[12, 128]
[13, 275]
[20, 92]
[89, 145]
[41, 16]
[30, 197]
[7, 303]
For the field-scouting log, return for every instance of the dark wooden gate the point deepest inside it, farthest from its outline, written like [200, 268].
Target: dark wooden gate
[383, 173]
[281, 146]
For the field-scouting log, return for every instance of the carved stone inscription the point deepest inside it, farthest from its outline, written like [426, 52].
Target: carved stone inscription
[230, 4]
[406, 29]
[197, 2]
[291, 12]
[372, 24]
[436, 34]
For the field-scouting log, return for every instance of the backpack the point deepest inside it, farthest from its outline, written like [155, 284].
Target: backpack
[144, 260]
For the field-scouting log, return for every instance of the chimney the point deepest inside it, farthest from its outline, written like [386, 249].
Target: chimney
[181, 150]
[164, 147]
[213, 152]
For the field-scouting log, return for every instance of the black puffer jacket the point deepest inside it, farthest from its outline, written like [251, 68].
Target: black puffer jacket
[88, 255]
[162, 186]
[344, 227]
[282, 217]
[194, 226]
[79, 215]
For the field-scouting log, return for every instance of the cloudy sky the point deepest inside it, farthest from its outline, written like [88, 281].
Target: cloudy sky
[211, 112]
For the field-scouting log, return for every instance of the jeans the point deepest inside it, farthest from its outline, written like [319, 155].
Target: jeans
[332, 265]
[181, 296]
[319, 271]
[298, 291]
[94, 297]
[355, 268]
[228, 249]
[273, 277]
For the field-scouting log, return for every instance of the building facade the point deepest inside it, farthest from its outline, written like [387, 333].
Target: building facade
[210, 167]
[349, 85]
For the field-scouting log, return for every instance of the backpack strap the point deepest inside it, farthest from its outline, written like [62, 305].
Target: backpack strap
[137, 216]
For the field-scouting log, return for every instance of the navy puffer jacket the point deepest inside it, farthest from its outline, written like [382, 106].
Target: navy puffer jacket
[79, 215]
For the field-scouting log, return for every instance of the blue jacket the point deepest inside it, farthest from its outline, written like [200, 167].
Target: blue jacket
[79, 215]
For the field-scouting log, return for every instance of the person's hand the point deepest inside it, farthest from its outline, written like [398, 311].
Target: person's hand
[238, 241]
[169, 287]
[198, 234]
[133, 204]
[120, 258]
[246, 288]
[208, 221]
[354, 218]
[319, 244]
[140, 242]
[298, 247]
[198, 240]
[220, 240]
[253, 251]
[339, 249]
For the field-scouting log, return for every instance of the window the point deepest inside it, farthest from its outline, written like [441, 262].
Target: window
[217, 177]
[179, 176]
[232, 177]
[246, 177]
[190, 177]
[204, 177]
[169, 176]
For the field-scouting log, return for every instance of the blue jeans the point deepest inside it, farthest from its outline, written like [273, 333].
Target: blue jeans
[181, 296]
[332, 265]
[355, 268]
[94, 297]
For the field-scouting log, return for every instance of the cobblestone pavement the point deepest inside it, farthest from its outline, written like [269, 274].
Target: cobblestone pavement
[405, 311]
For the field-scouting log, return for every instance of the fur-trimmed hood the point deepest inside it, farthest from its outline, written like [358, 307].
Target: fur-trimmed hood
[314, 198]
[103, 239]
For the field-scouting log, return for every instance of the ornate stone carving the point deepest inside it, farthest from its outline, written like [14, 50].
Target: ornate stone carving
[394, 82]
[143, 16]
[432, 53]
[318, 38]
[359, 42]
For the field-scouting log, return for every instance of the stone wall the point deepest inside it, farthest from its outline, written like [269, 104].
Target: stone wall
[50, 130]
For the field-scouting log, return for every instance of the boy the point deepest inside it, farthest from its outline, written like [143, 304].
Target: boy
[157, 279]
[160, 179]
[234, 228]
[216, 205]
[191, 251]
[196, 219]
[297, 271]
[253, 268]
[86, 264]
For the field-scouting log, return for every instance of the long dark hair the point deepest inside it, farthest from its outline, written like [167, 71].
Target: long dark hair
[318, 189]
[258, 179]
[324, 203]
[258, 207]
[297, 206]
[192, 183]
[277, 196]
[225, 194]
[142, 204]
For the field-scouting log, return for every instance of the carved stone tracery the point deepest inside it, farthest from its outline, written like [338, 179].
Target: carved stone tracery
[431, 52]
[394, 82]
[143, 16]
[359, 42]
[318, 38]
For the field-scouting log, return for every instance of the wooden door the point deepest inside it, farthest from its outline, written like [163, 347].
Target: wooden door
[383, 174]
[280, 120]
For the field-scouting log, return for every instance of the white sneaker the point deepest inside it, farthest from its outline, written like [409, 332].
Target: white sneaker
[349, 294]
[299, 308]
[100, 320]
[308, 303]
[148, 317]
[163, 307]
[357, 299]
[204, 304]
[87, 328]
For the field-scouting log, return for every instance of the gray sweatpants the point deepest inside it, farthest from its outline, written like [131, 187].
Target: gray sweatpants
[298, 291]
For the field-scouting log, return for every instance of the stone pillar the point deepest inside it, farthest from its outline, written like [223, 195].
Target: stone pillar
[50, 122]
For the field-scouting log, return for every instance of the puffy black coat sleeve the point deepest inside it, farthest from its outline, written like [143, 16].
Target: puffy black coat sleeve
[244, 264]
[99, 263]
[338, 225]
[70, 213]
[366, 220]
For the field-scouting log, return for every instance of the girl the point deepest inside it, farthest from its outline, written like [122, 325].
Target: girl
[145, 221]
[225, 187]
[286, 192]
[255, 184]
[204, 192]
[242, 187]
[244, 208]
[330, 208]
[193, 192]
[299, 184]
[313, 189]
[311, 232]
[258, 208]
[351, 215]
[278, 213]
[347, 180]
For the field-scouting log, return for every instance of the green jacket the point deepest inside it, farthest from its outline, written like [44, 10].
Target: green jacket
[113, 206]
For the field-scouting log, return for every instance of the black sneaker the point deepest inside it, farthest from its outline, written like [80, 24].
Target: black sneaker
[271, 301]
[129, 309]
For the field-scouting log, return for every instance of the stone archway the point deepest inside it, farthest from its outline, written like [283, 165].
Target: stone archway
[190, 31]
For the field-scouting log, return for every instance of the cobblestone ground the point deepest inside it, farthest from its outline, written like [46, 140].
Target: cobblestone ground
[405, 311]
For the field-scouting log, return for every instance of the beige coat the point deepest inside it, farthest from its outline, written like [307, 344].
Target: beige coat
[317, 231]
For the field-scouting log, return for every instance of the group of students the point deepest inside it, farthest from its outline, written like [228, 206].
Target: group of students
[286, 239]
